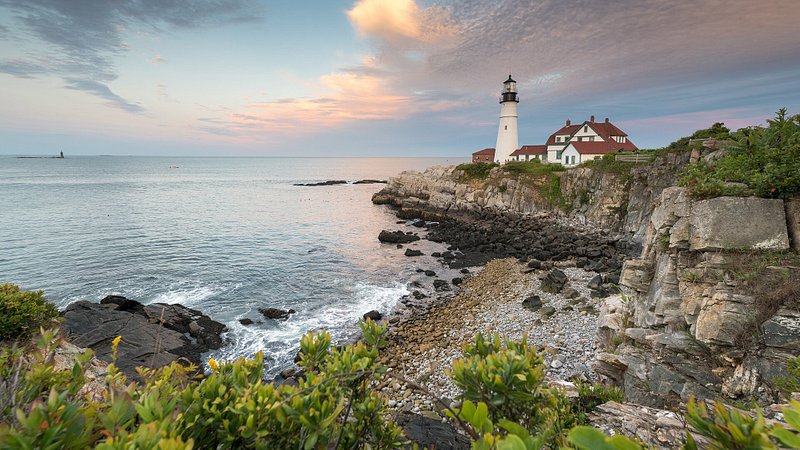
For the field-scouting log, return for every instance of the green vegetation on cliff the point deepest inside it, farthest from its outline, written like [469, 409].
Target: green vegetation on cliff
[761, 161]
[505, 403]
[475, 171]
[22, 312]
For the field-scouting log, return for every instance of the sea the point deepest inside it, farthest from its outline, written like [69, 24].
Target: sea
[224, 235]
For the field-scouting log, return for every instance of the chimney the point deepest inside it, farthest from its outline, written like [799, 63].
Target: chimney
[592, 119]
[606, 119]
[567, 122]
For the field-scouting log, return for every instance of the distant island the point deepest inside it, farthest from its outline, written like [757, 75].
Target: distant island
[60, 156]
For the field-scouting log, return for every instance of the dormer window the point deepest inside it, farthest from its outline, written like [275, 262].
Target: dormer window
[585, 128]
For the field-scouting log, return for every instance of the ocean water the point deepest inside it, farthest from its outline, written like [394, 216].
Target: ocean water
[223, 235]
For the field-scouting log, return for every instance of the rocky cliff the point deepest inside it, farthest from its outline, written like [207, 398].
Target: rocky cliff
[583, 193]
[712, 304]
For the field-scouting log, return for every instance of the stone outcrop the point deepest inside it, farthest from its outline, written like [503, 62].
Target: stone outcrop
[688, 323]
[152, 335]
[738, 223]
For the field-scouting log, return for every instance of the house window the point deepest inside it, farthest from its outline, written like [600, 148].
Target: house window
[591, 139]
[586, 128]
[558, 154]
[527, 157]
[597, 157]
[558, 138]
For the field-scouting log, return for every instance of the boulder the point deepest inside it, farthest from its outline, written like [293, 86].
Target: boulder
[441, 285]
[246, 321]
[457, 281]
[275, 313]
[410, 252]
[547, 311]
[152, 336]
[533, 302]
[554, 281]
[782, 330]
[737, 223]
[430, 273]
[723, 318]
[373, 315]
[397, 237]
[430, 433]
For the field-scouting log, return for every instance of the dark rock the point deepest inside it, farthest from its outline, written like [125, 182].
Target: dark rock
[611, 278]
[569, 292]
[430, 273]
[547, 311]
[418, 295]
[397, 237]
[534, 264]
[322, 183]
[596, 282]
[152, 336]
[533, 302]
[430, 433]
[441, 285]
[456, 281]
[436, 254]
[410, 252]
[275, 313]
[246, 321]
[464, 271]
[370, 181]
[373, 315]
[554, 281]
[399, 245]
[419, 224]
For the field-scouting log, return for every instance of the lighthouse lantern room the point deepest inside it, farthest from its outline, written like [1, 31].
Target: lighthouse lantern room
[507, 135]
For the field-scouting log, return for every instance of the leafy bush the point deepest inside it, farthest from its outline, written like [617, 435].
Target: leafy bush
[475, 171]
[505, 405]
[23, 311]
[533, 167]
[766, 159]
[609, 164]
[791, 382]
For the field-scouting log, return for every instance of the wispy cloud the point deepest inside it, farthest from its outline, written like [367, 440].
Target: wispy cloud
[158, 59]
[102, 90]
[82, 39]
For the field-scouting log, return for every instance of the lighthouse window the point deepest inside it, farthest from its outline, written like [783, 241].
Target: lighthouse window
[506, 127]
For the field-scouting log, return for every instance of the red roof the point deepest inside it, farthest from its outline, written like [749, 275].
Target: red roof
[486, 151]
[530, 150]
[608, 129]
[597, 147]
[604, 129]
[570, 130]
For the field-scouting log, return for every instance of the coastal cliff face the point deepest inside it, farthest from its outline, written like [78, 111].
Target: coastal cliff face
[713, 309]
[712, 302]
[443, 191]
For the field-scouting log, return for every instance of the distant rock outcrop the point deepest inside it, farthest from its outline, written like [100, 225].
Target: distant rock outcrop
[152, 335]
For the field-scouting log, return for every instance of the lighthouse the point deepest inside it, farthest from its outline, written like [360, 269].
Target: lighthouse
[507, 136]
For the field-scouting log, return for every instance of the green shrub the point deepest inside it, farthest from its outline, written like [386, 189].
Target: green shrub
[609, 164]
[791, 382]
[475, 171]
[766, 159]
[533, 167]
[22, 312]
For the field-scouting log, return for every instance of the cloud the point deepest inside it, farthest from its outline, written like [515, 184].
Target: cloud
[103, 91]
[401, 22]
[82, 39]
[158, 59]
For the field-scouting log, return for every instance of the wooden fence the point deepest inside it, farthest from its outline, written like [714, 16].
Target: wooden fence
[635, 157]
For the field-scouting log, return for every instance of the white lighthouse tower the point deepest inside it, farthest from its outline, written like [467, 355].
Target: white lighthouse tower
[507, 136]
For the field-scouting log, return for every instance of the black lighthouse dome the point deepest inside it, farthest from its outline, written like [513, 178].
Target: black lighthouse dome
[509, 93]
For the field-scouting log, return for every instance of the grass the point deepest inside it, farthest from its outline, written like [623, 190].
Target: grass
[609, 164]
[533, 167]
[475, 171]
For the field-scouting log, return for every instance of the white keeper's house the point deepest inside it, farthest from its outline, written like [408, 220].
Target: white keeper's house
[569, 146]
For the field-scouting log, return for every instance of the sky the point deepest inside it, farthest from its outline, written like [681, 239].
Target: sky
[381, 77]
